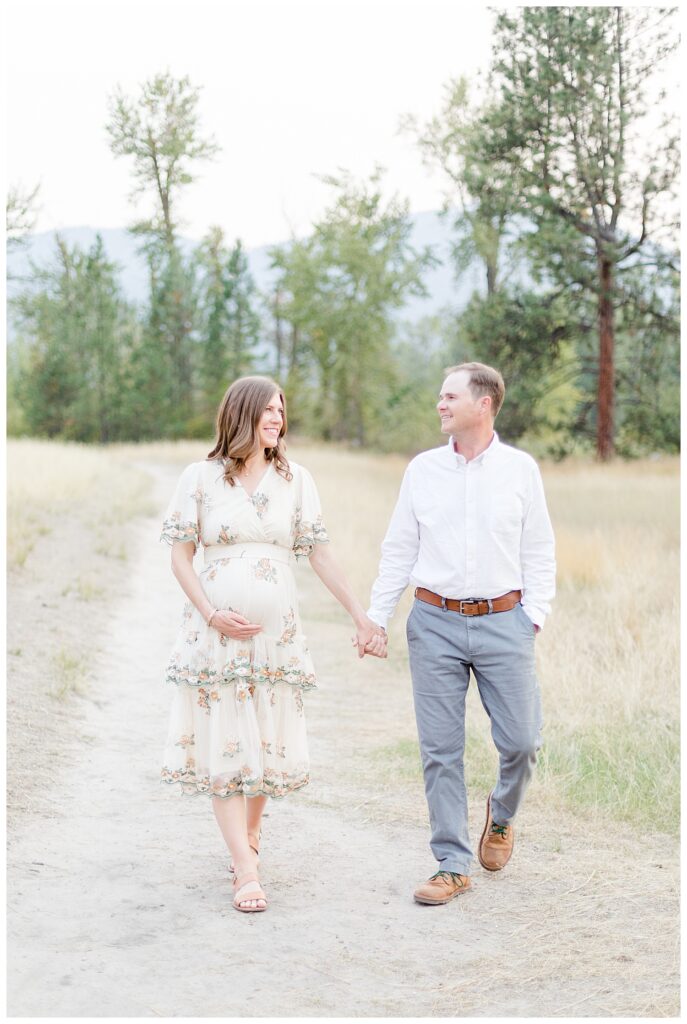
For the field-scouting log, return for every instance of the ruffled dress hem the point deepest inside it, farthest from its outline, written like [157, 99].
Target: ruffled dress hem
[270, 664]
[276, 784]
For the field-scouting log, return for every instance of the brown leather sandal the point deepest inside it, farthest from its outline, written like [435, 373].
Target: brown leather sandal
[247, 887]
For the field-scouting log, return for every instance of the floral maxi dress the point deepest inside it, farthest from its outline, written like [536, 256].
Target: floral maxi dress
[236, 722]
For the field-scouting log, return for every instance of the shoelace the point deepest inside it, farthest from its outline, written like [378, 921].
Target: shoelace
[446, 874]
[498, 830]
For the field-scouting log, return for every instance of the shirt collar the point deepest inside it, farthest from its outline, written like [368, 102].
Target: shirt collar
[487, 453]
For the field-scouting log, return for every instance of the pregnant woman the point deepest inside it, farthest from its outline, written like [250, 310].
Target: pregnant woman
[240, 664]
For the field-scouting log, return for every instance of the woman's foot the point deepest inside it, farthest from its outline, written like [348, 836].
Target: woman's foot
[248, 895]
[254, 843]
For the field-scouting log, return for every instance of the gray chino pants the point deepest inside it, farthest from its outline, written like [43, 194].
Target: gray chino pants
[499, 648]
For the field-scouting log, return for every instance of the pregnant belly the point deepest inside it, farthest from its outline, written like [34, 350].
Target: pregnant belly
[262, 590]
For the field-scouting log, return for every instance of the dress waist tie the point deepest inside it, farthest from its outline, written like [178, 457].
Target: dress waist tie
[275, 552]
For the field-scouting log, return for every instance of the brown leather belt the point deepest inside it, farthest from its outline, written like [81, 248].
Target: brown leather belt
[485, 606]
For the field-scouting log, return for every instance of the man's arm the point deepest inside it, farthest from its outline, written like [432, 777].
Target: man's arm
[334, 579]
[537, 554]
[399, 555]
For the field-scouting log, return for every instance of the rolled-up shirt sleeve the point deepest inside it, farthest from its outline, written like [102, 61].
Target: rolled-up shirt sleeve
[537, 554]
[399, 554]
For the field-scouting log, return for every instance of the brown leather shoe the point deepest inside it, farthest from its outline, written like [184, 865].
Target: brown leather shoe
[442, 887]
[496, 844]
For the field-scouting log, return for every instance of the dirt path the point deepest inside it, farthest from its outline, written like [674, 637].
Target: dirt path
[120, 904]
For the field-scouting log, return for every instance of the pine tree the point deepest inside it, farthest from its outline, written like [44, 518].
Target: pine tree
[75, 334]
[229, 325]
[573, 89]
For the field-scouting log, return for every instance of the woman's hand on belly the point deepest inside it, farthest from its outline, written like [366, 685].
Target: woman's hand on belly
[235, 626]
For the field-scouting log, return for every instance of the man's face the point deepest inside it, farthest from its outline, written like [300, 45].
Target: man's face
[458, 410]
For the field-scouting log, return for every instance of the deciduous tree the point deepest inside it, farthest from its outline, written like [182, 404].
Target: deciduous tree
[159, 130]
[343, 285]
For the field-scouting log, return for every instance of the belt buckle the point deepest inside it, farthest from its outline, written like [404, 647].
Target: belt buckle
[472, 601]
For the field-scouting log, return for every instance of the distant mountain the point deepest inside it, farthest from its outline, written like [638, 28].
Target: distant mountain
[121, 247]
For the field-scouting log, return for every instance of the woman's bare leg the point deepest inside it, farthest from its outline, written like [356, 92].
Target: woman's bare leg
[230, 813]
[255, 805]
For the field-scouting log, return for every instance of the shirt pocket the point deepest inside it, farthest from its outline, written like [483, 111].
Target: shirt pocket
[506, 522]
[505, 516]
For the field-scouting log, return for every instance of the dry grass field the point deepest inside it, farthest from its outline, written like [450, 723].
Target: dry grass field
[608, 658]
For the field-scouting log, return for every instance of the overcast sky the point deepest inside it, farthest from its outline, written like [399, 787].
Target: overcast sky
[291, 89]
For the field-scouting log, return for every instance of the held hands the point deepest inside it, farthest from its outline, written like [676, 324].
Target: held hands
[370, 639]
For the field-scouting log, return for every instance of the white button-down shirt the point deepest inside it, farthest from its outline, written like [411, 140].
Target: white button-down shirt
[472, 529]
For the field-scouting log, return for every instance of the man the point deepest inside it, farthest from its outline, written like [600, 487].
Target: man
[472, 533]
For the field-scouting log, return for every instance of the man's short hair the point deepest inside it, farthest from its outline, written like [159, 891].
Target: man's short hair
[483, 380]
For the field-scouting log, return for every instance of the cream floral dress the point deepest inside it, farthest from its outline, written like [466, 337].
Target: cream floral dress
[237, 723]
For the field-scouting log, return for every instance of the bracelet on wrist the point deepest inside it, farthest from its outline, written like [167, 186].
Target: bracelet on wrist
[212, 615]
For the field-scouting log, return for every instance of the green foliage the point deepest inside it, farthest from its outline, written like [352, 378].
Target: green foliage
[481, 185]
[165, 358]
[551, 190]
[521, 334]
[229, 325]
[18, 368]
[548, 176]
[418, 358]
[160, 131]
[338, 291]
[20, 215]
[86, 366]
[573, 87]
[521, 330]
[70, 369]
[648, 362]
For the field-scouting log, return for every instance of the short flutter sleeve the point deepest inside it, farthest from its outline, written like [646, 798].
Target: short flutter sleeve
[308, 527]
[182, 518]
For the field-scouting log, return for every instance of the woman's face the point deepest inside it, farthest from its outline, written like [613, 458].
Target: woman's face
[270, 423]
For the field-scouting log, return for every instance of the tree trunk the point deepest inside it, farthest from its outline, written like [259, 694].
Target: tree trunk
[604, 424]
[491, 278]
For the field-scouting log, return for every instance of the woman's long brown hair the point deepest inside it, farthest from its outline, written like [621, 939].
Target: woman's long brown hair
[238, 416]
